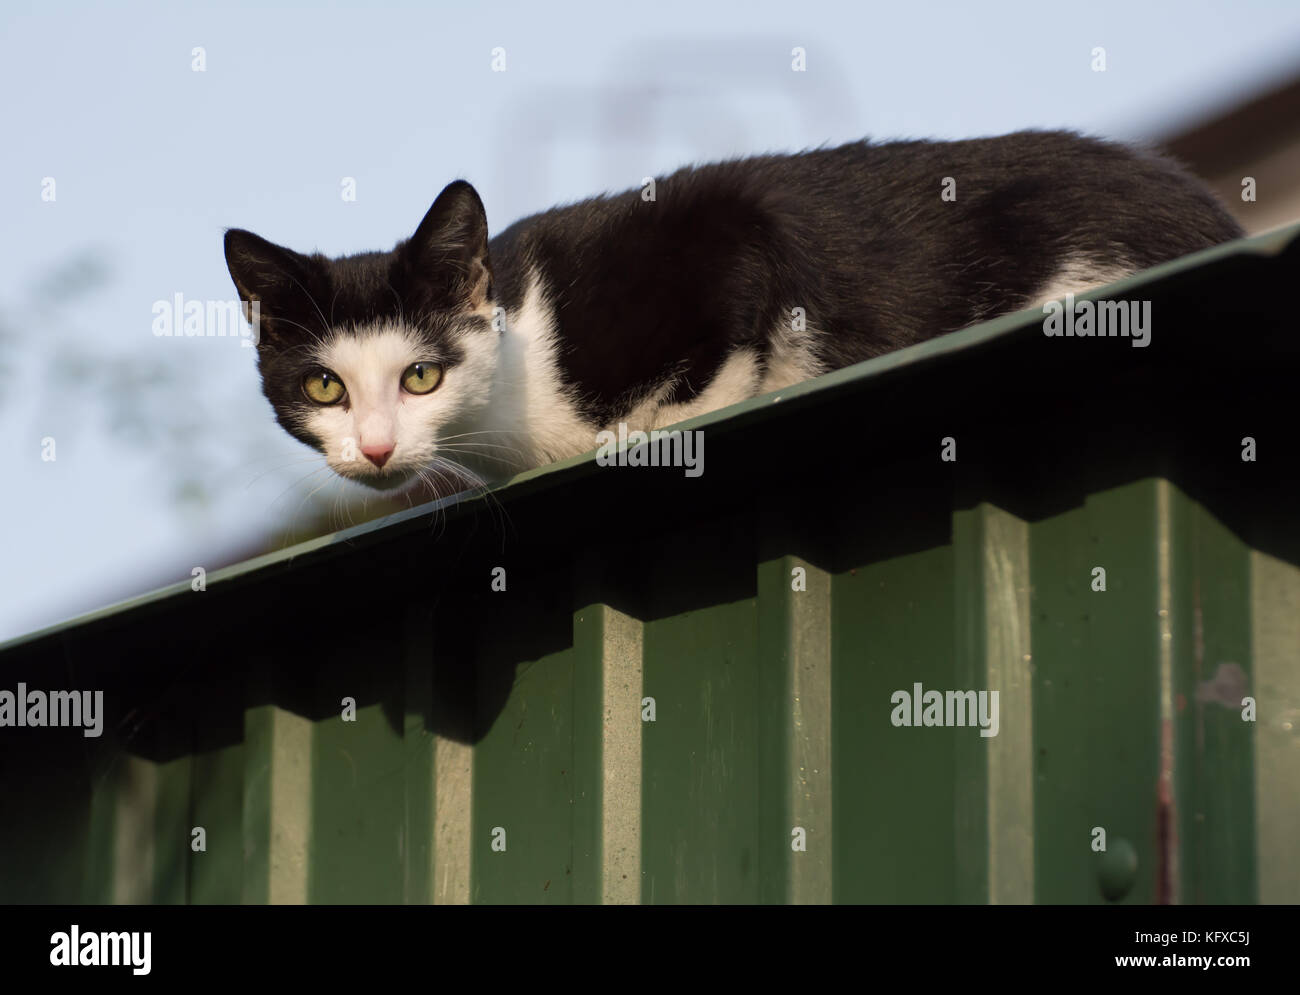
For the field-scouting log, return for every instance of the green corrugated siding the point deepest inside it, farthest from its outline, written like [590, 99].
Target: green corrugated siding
[484, 715]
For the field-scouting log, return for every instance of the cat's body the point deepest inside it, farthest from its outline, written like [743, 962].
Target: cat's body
[722, 282]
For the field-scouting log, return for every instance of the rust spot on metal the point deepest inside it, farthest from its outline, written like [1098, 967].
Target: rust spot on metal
[1166, 827]
[1163, 829]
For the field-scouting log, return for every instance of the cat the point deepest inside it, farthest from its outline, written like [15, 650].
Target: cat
[455, 357]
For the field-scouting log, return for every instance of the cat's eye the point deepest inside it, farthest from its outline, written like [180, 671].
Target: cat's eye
[323, 387]
[420, 378]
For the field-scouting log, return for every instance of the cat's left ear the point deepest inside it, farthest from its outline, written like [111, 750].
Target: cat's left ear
[446, 261]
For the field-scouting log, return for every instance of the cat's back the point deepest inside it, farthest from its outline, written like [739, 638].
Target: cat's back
[891, 203]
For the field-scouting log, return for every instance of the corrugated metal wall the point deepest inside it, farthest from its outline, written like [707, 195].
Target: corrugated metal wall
[685, 675]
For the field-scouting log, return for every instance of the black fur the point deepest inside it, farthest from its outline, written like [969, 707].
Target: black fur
[858, 236]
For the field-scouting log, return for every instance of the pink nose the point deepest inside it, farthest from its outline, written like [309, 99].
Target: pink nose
[378, 454]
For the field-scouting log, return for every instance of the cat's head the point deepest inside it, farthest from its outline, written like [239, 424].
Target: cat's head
[371, 359]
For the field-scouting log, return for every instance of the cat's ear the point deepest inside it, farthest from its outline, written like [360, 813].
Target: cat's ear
[284, 283]
[446, 260]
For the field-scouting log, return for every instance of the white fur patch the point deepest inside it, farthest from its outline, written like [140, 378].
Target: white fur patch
[530, 410]
[1076, 276]
[736, 380]
[791, 360]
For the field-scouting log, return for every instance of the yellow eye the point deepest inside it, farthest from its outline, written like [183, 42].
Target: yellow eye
[420, 378]
[323, 387]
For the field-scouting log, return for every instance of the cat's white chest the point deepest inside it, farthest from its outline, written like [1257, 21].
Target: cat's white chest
[530, 408]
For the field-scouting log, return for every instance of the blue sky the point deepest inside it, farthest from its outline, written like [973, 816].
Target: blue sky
[167, 456]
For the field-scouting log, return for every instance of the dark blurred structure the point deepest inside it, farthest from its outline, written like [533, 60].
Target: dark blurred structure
[1259, 138]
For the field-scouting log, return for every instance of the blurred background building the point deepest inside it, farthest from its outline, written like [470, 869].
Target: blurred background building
[1255, 136]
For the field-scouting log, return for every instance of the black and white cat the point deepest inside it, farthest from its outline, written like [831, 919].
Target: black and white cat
[652, 306]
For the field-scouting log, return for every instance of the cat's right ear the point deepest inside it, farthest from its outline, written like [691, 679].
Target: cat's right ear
[284, 284]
